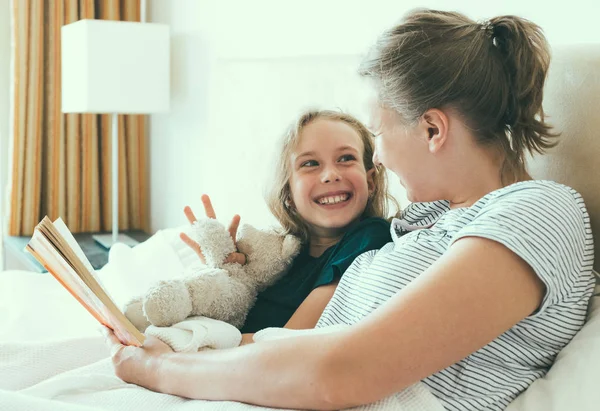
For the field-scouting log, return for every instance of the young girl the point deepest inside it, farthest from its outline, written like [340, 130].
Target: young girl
[328, 193]
[490, 272]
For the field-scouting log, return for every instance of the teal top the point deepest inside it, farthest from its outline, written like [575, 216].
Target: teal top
[276, 305]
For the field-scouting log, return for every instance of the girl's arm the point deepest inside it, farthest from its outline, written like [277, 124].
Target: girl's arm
[471, 295]
[309, 312]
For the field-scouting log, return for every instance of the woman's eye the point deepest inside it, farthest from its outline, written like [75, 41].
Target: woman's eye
[309, 163]
[346, 158]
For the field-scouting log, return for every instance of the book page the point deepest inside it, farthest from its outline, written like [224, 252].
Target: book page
[70, 239]
[53, 250]
[41, 248]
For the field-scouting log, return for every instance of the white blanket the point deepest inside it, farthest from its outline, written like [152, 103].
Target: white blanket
[66, 375]
[54, 359]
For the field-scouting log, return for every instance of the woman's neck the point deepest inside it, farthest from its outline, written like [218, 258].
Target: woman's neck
[473, 193]
[474, 177]
[480, 184]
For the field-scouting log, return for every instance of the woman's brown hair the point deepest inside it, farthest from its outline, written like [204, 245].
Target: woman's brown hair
[492, 72]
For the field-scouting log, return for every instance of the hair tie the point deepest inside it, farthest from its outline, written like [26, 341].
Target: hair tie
[487, 26]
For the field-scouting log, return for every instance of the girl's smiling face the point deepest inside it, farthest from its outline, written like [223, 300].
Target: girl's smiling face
[329, 184]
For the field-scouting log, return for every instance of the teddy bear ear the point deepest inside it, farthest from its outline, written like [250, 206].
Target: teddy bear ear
[290, 246]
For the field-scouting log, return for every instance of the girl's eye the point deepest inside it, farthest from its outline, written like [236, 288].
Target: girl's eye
[347, 157]
[309, 163]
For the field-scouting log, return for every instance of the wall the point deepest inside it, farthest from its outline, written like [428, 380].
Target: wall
[242, 70]
[4, 109]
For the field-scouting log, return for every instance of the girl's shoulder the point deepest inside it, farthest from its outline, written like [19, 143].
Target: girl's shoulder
[372, 222]
[369, 233]
[369, 225]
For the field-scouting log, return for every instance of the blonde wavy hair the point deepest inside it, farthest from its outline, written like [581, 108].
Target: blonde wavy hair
[279, 192]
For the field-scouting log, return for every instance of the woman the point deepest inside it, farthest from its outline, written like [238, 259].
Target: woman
[489, 273]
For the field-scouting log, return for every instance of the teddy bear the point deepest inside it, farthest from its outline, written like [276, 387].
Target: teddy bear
[218, 290]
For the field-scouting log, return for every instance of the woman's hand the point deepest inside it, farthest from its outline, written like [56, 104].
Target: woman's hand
[137, 365]
[234, 257]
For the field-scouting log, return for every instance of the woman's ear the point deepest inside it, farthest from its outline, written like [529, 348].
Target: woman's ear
[371, 180]
[435, 122]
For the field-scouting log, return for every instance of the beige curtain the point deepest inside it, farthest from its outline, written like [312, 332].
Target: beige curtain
[62, 162]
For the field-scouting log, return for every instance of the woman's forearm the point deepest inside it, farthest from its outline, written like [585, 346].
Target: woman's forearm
[292, 372]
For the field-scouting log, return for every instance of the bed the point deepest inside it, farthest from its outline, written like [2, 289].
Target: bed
[52, 356]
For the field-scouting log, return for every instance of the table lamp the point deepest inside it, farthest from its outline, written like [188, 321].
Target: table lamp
[115, 67]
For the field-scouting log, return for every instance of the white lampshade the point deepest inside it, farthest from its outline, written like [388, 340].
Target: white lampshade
[115, 67]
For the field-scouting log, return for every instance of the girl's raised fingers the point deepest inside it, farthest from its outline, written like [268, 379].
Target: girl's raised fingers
[233, 226]
[193, 245]
[189, 214]
[208, 208]
[239, 258]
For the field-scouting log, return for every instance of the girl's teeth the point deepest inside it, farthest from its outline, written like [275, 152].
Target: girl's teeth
[334, 199]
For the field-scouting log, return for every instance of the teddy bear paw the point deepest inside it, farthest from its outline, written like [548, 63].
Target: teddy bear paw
[168, 303]
[215, 241]
[134, 311]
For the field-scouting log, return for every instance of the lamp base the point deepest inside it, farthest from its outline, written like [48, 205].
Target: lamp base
[106, 240]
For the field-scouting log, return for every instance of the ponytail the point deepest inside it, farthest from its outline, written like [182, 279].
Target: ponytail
[526, 58]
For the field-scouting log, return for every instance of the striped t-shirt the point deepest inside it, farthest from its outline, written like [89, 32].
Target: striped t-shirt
[543, 222]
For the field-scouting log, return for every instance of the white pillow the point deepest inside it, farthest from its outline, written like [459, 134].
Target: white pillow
[572, 382]
[130, 272]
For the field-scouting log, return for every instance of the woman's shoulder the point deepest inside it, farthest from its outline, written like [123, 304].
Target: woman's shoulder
[536, 192]
[539, 186]
[536, 217]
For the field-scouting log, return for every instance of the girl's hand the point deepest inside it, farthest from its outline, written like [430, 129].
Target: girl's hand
[247, 339]
[234, 257]
[137, 365]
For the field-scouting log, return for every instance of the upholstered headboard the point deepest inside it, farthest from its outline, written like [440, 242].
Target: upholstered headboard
[572, 104]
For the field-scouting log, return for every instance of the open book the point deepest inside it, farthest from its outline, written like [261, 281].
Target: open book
[53, 245]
